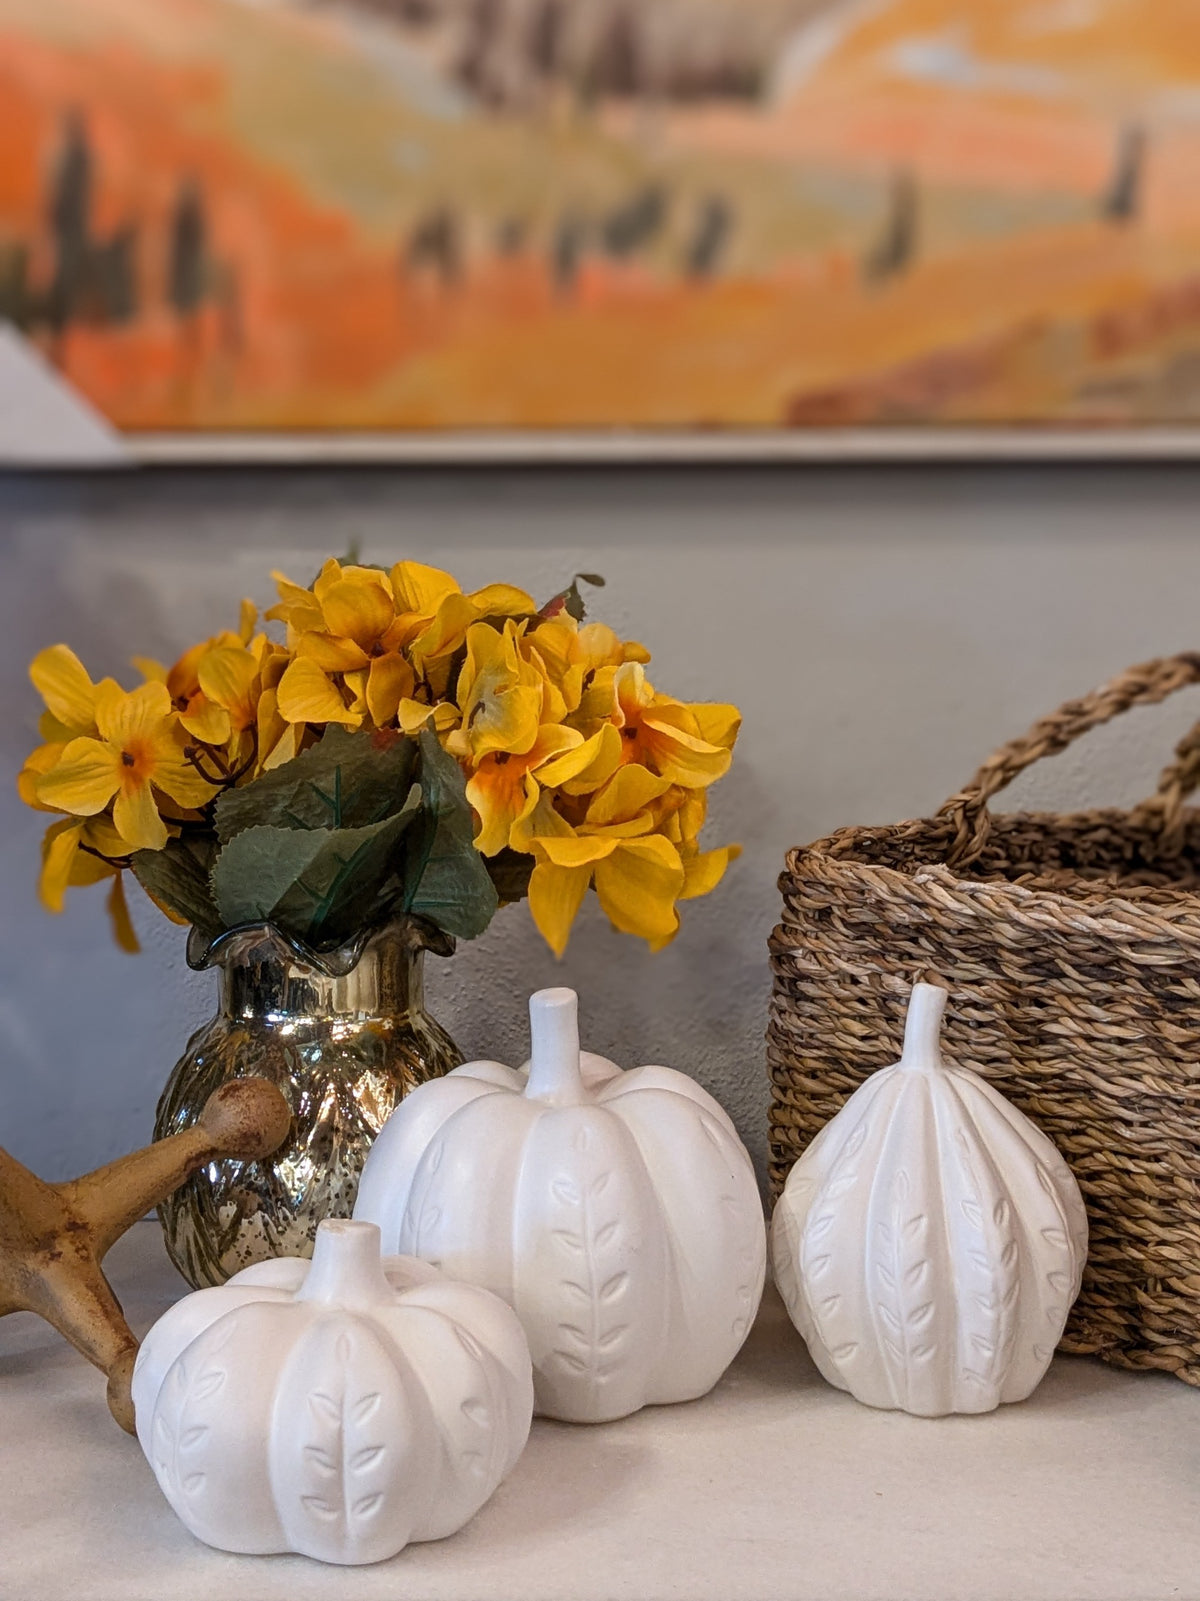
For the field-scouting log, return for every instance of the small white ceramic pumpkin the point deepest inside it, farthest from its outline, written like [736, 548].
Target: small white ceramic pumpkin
[930, 1241]
[616, 1212]
[338, 1408]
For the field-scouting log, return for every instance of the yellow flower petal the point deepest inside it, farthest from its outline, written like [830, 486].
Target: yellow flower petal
[118, 916]
[136, 819]
[703, 872]
[122, 716]
[247, 621]
[37, 764]
[447, 630]
[205, 721]
[569, 851]
[151, 670]
[177, 778]
[716, 723]
[555, 894]
[502, 600]
[390, 681]
[63, 683]
[228, 676]
[306, 695]
[298, 607]
[539, 822]
[628, 792]
[497, 790]
[84, 780]
[60, 842]
[638, 885]
[607, 749]
[413, 715]
[331, 654]
[421, 589]
[360, 610]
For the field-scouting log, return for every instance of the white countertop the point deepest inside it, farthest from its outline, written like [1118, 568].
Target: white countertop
[773, 1488]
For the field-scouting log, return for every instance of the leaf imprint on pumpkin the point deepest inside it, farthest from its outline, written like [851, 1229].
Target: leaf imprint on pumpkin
[367, 1458]
[193, 1436]
[469, 1344]
[344, 1348]
[321, 1507]
[606, 1232]
[368, 1505]
[1055, 1237]
[600, 1183]
[570, 1360]
[613, 1287]
[566, 1191]
[194, 1483]
[365, 1407]
[582, 1138]
[324, 1406]
[320, 1458]
[565, 1237]
[209, 1383]
[713, 1132]
[477, 1411]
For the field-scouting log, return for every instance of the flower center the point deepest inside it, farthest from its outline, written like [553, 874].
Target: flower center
[128, 758]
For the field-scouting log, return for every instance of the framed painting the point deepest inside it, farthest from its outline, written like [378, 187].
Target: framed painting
[632, 227]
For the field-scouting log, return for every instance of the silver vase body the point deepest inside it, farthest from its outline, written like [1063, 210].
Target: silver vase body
[344, 1039]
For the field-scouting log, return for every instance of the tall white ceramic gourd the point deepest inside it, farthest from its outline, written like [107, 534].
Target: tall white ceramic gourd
[338, 1409]
[930, 1241]
[616, 1212]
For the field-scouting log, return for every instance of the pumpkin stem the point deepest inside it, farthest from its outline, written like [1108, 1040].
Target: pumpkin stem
[923, 1025]
[347, 1265]
[554, 1073]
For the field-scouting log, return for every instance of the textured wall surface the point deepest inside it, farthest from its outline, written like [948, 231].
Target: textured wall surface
[881, 629]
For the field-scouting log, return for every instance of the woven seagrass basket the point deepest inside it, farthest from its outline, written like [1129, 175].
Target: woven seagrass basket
[1071, 948]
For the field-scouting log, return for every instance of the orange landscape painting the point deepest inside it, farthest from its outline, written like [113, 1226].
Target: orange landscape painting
[512, 215]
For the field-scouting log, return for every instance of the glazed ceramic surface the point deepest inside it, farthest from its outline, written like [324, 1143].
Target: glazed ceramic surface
[930, 1241]
[338, 1408]
[343, 1036]
[616, 1212]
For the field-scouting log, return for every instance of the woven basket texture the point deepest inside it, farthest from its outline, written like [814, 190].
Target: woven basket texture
[1071, 948]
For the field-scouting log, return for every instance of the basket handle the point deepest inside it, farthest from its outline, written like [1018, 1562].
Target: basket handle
[1144, 685]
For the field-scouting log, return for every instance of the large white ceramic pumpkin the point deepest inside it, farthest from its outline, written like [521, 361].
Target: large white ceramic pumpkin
[338, 1408]
[930, 1241]
[616, 1212]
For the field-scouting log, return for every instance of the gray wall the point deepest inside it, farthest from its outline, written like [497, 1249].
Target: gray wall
[881, 629]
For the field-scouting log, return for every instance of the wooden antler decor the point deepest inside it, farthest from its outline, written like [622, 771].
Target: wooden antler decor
[53, 1237]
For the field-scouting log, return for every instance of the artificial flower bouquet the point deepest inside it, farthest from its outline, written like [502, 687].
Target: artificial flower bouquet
[405, 749]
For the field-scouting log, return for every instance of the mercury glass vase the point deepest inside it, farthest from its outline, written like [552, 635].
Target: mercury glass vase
[344, 1037]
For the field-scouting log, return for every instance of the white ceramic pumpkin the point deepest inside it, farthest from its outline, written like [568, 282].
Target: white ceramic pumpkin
[930, 1241]
[616, 1212]
[338, 1408]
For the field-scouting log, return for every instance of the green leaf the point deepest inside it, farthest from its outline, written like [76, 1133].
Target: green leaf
[445, 878]
[178, 876]
[322, 885]
[346, 780]
[570, 600]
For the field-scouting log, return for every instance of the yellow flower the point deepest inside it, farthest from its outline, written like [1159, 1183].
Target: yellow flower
[688, 745]
[500, 696]
[379, 632]
[569, 655]
[637, 880]
[70, 696]
[505, 789]
[72, 852]
[140, 749]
